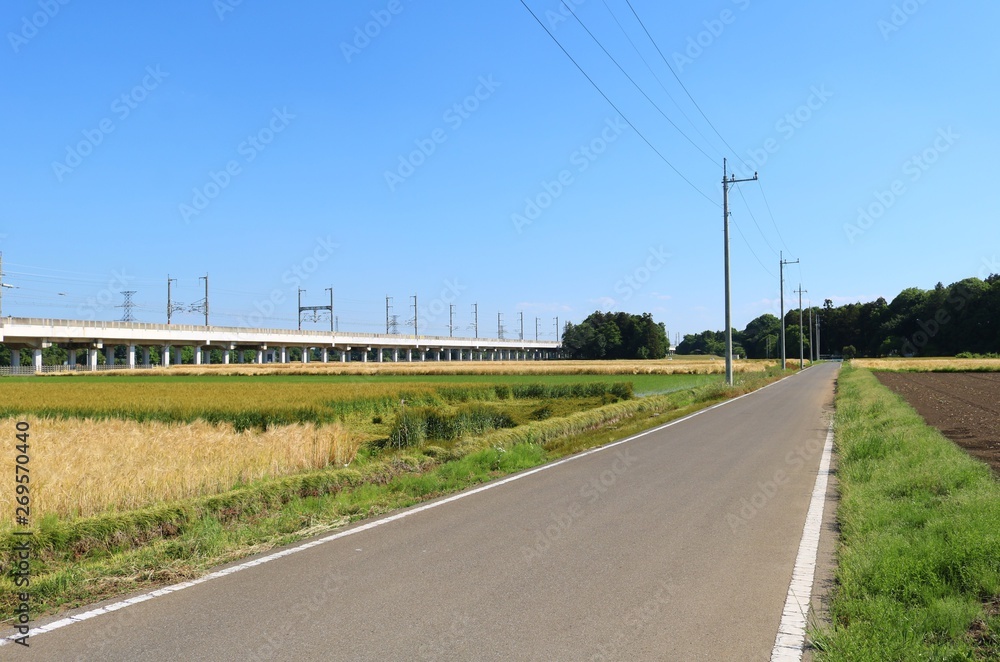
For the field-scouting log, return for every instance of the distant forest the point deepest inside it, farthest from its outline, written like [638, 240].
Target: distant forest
[615, 336]
[963, 317]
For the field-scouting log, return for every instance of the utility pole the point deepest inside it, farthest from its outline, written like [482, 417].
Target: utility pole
[205, 278]
[536, 329]
[475, 319]
[801, 335]
[300, 308]
[817, 337]
[330, 290]
[726, 182]
[451, 320]
[520, 317]
[811, 352]
[557, 329]
[416, 332]
[171, 306]
[388, 310]
[781, 270]
[500, 326]
[2, 285]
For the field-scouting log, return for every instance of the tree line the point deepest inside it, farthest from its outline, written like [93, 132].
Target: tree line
[944, 321]
[615, 336]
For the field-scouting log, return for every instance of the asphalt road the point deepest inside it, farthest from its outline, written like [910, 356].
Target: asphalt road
[677, 545]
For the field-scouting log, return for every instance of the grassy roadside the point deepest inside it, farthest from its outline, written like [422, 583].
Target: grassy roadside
[84, 560]
[919, 557]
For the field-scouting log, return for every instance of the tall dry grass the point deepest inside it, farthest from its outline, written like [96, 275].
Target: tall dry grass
[82, 467]
[929, 365]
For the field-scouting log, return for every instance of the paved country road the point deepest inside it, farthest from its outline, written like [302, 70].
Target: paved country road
[678, 544]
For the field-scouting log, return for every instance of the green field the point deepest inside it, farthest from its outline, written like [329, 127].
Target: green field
[919, 559]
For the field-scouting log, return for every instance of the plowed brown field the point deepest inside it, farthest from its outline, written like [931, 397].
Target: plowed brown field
[964, 406]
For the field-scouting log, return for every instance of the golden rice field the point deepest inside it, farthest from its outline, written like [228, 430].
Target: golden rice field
[690, 365]
[107, 394]
[929, 364]
[82, 467]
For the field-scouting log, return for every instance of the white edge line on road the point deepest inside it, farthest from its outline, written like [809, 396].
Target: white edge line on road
[791, 638]
[70, 620]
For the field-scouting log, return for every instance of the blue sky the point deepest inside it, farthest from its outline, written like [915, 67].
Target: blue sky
[453, 151]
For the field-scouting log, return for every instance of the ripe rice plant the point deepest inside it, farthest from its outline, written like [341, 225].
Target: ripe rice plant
[81, 467]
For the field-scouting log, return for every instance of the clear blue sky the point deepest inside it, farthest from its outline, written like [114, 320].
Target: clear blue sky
[119, 116]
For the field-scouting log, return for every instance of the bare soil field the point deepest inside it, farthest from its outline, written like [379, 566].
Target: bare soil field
[965, 407]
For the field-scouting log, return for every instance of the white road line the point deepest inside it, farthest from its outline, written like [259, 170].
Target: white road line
[70, 620]
[789, 643]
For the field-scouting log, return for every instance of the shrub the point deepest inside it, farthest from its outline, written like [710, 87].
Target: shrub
[409, 429]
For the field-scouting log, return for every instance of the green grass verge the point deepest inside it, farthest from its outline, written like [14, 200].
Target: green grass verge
[919, 557]
[84, 560]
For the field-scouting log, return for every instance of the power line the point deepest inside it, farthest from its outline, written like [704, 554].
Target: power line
[681, 83]
[749, 211]
[612, 104]
[750, 248]
[631, 80]
[772, 217]
[657, 76]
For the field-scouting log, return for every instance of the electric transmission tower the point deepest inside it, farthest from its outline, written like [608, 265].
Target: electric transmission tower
[127, 306]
